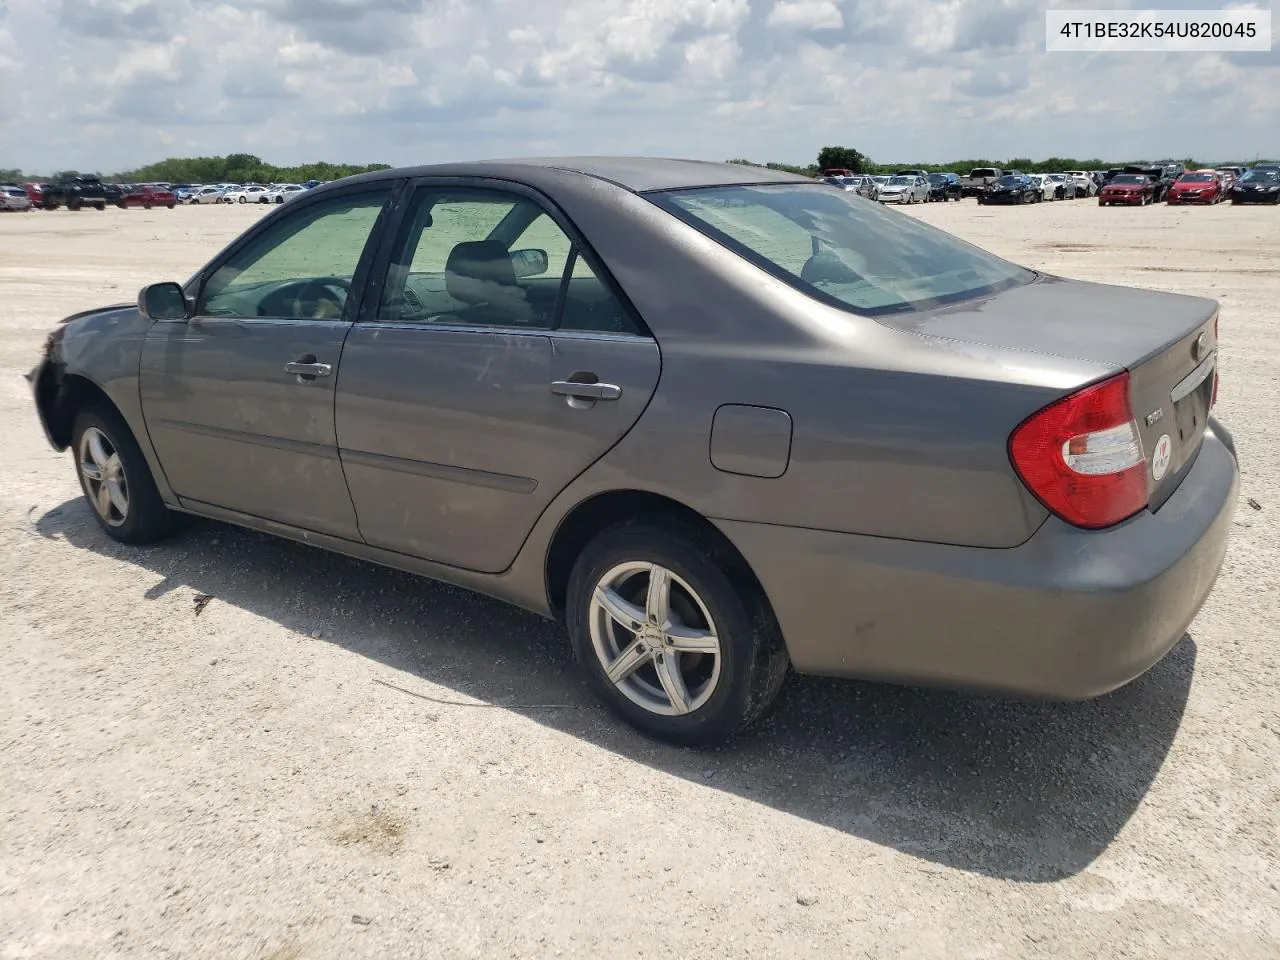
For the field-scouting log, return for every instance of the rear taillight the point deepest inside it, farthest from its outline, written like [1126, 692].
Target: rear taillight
[1082, 455]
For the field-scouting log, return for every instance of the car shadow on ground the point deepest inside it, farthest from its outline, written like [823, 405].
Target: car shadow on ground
[1030, 792]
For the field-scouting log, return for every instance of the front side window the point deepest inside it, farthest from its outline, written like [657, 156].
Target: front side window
[842, 250]
[486, 258]
[302, 268]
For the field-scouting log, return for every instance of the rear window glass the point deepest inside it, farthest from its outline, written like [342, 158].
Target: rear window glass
[841, 248]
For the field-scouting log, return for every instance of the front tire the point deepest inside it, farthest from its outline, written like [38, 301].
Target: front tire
[673, 633]
[116, 480]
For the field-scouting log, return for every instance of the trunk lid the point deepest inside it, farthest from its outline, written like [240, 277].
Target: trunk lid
[1167, 342]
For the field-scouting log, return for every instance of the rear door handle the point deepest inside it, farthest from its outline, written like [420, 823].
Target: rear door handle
[586, 391]
[308, 370]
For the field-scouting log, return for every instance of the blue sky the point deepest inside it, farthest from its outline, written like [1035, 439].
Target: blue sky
[111, 84]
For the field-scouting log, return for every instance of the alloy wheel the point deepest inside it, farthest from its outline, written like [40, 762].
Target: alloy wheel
[654, 638]
[104, 478]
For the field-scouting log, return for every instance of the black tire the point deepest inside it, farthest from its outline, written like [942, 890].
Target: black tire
[73, 205]
[148, 519]
[100, 205]
[753, 658]
[169, 206]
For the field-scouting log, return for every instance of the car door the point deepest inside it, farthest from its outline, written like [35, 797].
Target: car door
[238, 400]
[494, 360]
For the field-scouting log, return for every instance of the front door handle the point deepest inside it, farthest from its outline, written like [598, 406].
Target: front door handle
[308, 369]
[586, 391]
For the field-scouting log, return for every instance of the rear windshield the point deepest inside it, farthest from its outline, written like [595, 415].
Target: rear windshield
[983, 172]
[841, 248]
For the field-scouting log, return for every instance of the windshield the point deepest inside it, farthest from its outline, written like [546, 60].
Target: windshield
[938, 178]
[1009, 181]
[1129, 178]
[1261, 176]
[1196, 178]
[901, 181]
[842, 249]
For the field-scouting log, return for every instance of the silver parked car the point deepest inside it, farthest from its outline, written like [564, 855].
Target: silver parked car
[14, 199]
[904, 189]
[717, 419]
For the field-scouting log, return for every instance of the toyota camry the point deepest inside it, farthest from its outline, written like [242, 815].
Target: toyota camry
[721, 421]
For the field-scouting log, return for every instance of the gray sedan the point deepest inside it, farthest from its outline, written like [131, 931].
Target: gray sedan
[719, 420]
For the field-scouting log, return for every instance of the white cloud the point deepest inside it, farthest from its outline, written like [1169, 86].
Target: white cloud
[110, 84]
[806, 15]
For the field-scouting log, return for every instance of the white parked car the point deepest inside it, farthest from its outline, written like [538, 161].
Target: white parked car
[904, 189]
[283, 192]
[1043, 184]
[249, 194]
[14, 198]
[1085, 185]
[205, 195]
[1064, 186]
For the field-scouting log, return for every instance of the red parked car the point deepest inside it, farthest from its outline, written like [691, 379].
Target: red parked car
[1135, 189]
[146, 196]
[1198, 186]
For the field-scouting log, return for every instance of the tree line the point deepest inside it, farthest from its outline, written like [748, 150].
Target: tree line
[235, 168]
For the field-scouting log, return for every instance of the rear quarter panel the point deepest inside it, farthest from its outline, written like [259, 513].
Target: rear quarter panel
[895, 434]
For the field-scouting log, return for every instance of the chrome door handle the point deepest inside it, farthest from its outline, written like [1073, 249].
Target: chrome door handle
[308, 369]
[586, 391]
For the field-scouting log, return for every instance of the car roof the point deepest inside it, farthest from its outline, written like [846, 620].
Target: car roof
[637, 174]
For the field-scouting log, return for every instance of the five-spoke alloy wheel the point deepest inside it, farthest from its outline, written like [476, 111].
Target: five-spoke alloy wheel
[102, 474]
[673, 631]
[116, 479]
[655, 639]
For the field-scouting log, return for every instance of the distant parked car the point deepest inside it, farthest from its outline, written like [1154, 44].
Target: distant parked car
[85, 191]
[14, 198]
[1259, 185]
[1045, 185]
[1198, 186]
[1086, 185]
[1064, 186]
[1132, 189]
[978, 180]
[250, 194]
[944, 186]
[905, 189]
[1011, 188]
[148, 195]
[282, 193]
[206, 195]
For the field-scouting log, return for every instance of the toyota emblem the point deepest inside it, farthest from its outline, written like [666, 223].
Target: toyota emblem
[1200, 347]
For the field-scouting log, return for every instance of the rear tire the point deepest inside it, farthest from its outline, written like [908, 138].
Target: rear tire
[710, 599]
[130, 510]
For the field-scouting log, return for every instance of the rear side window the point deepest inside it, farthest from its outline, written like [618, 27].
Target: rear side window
[841, 248]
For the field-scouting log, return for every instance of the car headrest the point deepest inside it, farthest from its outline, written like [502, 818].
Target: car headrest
[477, 271]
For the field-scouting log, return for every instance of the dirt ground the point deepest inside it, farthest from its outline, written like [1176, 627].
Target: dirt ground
[333, 760]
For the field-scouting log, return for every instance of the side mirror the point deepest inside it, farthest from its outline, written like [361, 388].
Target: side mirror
[529, 263]
[163, 301]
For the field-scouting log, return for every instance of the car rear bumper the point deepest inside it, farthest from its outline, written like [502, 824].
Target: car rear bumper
[1070, 614]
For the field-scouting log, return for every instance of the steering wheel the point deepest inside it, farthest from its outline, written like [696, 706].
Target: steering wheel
[319, 299]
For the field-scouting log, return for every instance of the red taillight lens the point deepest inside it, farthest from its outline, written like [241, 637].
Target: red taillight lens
[1082, 455]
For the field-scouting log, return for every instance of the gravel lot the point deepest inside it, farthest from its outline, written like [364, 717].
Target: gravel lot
[334, 760]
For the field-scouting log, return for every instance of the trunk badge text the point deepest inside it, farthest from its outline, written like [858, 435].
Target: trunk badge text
[1155, 416]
